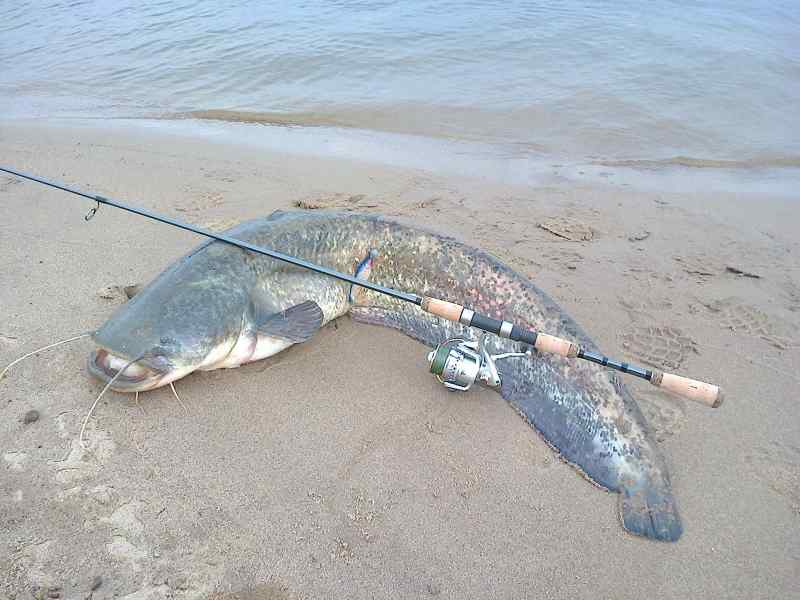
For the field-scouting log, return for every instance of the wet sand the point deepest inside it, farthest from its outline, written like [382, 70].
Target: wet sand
[340, 468]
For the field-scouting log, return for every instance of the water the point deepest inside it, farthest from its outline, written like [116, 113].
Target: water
[614, 82]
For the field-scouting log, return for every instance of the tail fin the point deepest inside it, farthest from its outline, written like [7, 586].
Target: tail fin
[649, 510]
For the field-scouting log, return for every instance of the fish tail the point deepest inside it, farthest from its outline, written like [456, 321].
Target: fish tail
[649, 509]
[647, 506]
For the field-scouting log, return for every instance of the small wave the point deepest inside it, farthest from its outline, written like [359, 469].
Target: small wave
[419, 119]
[307, 119]
[434, 125]
[704, 163]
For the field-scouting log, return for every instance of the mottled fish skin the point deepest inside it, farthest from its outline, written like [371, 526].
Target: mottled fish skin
[582, 410]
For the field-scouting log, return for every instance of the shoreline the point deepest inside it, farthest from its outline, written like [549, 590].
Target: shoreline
[340, 467]
[495, 161]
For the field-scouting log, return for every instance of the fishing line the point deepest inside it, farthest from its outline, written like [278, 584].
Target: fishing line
[454, 360]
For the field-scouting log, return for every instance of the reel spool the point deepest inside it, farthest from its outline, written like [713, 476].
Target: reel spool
[458, 363]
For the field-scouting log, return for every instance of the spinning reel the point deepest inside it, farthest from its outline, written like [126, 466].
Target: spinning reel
[458, 363]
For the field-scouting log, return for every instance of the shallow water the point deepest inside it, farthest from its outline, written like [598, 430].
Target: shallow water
[678, 83]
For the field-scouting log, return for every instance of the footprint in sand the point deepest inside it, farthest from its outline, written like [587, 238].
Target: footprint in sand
[200, 200]
[743, 319]
[515, 261]
[645, 304]
[568, 229]
[405, 208]
[664, 414]
[264, 591]
[336, 201]
[81, 463]
[342, 550]
[8, 341]
[220, 175]
[15, 461]
[778, 467]
[791, 293]
[661, 347]
[364, 514]
[127, 536]
[119, 293]
[561, 260]
[701, 267]
[6, 183]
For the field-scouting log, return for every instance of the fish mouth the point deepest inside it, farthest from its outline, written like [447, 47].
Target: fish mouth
[135, 377]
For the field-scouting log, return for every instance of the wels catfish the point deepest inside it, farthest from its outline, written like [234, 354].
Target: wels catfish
[221, 306]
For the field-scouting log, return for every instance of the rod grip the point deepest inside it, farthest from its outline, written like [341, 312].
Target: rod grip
[555, 345]
[442, 308]
[699, 391]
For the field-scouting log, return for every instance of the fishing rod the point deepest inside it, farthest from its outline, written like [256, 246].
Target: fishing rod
[456, 362]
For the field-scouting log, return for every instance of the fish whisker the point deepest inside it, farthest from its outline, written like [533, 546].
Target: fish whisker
[94, 405]
[141, 408]
[29, 354]
[178, 398]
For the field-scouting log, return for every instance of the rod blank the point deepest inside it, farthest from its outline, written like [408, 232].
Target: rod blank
[413, 298]
[698, 391]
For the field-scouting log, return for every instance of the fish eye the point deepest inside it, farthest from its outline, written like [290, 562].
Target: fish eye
[161, 352]
[160, 361]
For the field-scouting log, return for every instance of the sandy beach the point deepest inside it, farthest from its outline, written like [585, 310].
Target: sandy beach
[341, 468]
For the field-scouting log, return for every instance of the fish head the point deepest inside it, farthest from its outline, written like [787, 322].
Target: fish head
[178, 324]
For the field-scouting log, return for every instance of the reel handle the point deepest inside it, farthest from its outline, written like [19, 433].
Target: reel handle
[697, 391]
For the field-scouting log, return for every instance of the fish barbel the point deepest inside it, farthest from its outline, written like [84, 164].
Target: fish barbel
[221, 306]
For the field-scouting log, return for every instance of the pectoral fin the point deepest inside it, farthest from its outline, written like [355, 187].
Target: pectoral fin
[295, 324]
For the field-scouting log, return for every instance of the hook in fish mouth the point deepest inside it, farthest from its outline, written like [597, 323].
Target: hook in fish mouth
[136, 377]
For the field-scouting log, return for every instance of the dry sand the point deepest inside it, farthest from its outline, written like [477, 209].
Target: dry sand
[340, 468]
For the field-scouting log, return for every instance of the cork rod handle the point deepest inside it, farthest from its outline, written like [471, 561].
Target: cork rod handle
[442, 308]
[555, 345]
[691, 389]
